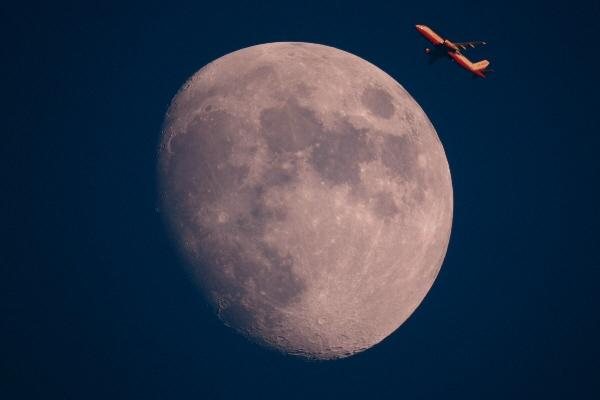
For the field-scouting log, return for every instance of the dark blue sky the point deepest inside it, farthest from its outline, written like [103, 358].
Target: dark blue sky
[95, 304]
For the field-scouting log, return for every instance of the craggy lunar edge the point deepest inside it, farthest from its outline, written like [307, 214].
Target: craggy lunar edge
[308, 193]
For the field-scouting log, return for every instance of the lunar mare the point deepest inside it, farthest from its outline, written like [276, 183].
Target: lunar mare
[308, 193]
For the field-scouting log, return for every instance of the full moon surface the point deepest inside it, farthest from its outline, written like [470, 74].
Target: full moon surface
[308, 193]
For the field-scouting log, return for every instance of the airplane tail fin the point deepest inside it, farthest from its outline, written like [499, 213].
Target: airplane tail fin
[482, 68]
[481, 65]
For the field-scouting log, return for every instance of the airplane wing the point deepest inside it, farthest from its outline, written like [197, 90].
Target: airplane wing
[472, 45]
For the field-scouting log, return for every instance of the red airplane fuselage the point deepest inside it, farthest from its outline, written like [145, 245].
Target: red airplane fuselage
[452, 51]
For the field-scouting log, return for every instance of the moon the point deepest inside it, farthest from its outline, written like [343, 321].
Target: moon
[309, 195]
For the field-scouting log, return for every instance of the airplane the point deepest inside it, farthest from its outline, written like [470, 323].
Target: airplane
[444, 47]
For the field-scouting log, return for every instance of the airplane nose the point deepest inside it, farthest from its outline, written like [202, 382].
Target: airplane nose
[419, 27]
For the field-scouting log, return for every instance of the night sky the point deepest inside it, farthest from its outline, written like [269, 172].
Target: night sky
[97, 305]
